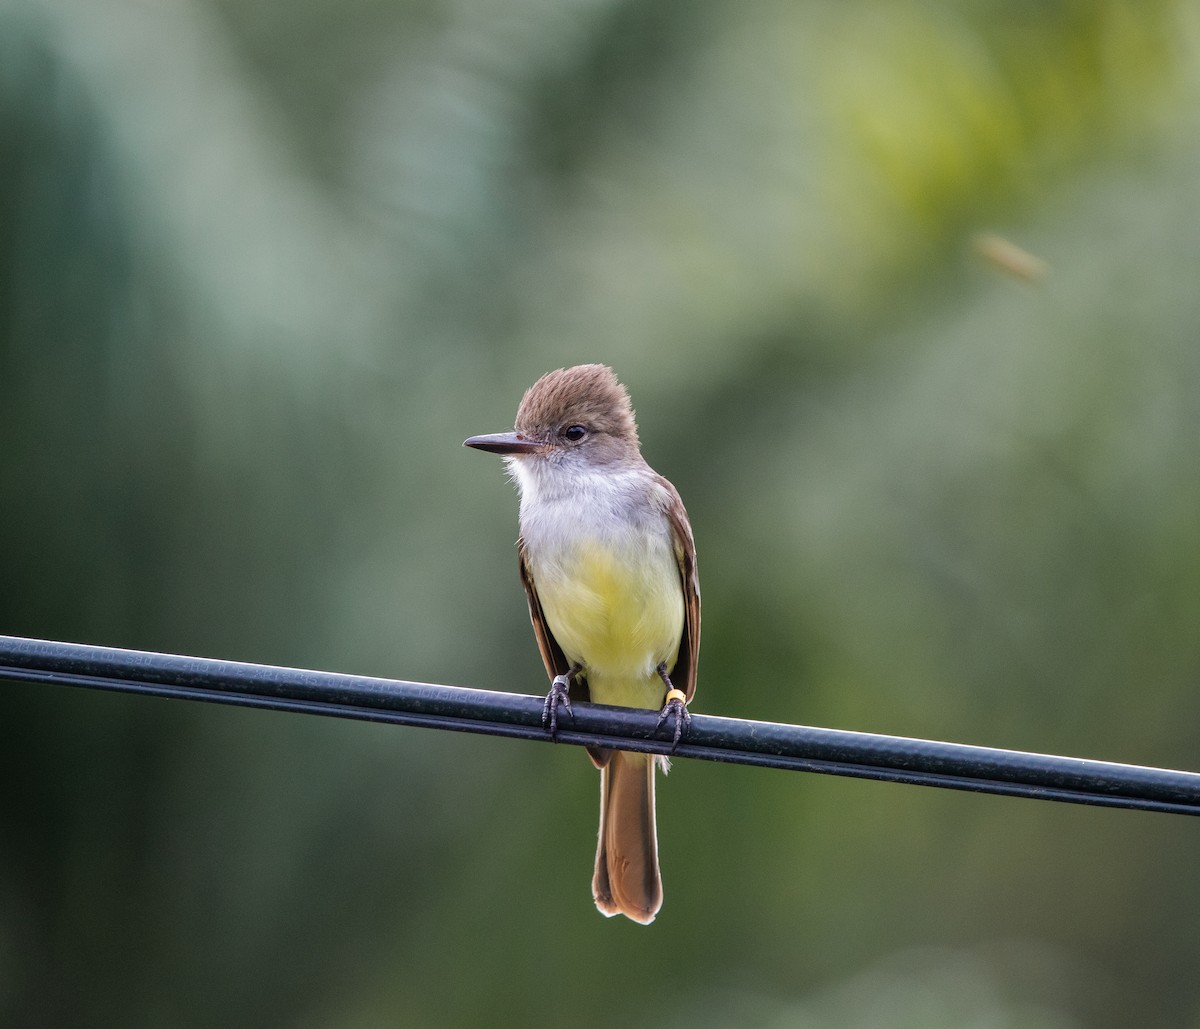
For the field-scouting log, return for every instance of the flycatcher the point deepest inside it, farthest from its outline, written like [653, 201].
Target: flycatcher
[608, 564]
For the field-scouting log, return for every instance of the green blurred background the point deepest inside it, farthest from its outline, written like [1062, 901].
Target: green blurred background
[265, 264]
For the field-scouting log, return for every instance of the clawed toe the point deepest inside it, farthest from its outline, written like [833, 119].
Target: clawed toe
[676, 708]
[556, 698]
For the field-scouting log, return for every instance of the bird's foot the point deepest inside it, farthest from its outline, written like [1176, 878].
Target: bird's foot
[674, 708]
[556, 698]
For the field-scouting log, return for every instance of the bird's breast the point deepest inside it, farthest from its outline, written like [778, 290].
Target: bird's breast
[613, 601]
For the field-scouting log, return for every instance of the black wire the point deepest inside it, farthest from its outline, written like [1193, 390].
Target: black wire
[768, 744]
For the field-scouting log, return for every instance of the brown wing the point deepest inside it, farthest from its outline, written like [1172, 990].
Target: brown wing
[683, 675]
[552, 656]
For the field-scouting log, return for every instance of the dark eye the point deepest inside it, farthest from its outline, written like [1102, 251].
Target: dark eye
[574, 433]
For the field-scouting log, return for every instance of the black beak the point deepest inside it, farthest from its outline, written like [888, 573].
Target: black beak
[512, 444]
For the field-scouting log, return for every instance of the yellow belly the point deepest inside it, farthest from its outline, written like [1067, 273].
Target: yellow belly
[618, 615]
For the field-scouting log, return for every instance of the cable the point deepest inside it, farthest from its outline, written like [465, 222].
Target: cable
[767, 744]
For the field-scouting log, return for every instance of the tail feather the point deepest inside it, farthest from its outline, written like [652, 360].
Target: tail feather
[627, 880]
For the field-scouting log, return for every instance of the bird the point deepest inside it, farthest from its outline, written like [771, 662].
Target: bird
[608, 562]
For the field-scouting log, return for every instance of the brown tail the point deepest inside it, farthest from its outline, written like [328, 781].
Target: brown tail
[627, 881]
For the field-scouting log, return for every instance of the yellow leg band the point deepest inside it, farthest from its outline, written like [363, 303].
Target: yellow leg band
[673, 694]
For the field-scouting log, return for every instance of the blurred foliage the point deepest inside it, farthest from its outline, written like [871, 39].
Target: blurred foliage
[263, 266]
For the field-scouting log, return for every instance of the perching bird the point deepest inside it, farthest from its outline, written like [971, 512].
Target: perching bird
[609, 568]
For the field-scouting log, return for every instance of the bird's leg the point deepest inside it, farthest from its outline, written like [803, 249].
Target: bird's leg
[674, 707]
[558, 696]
